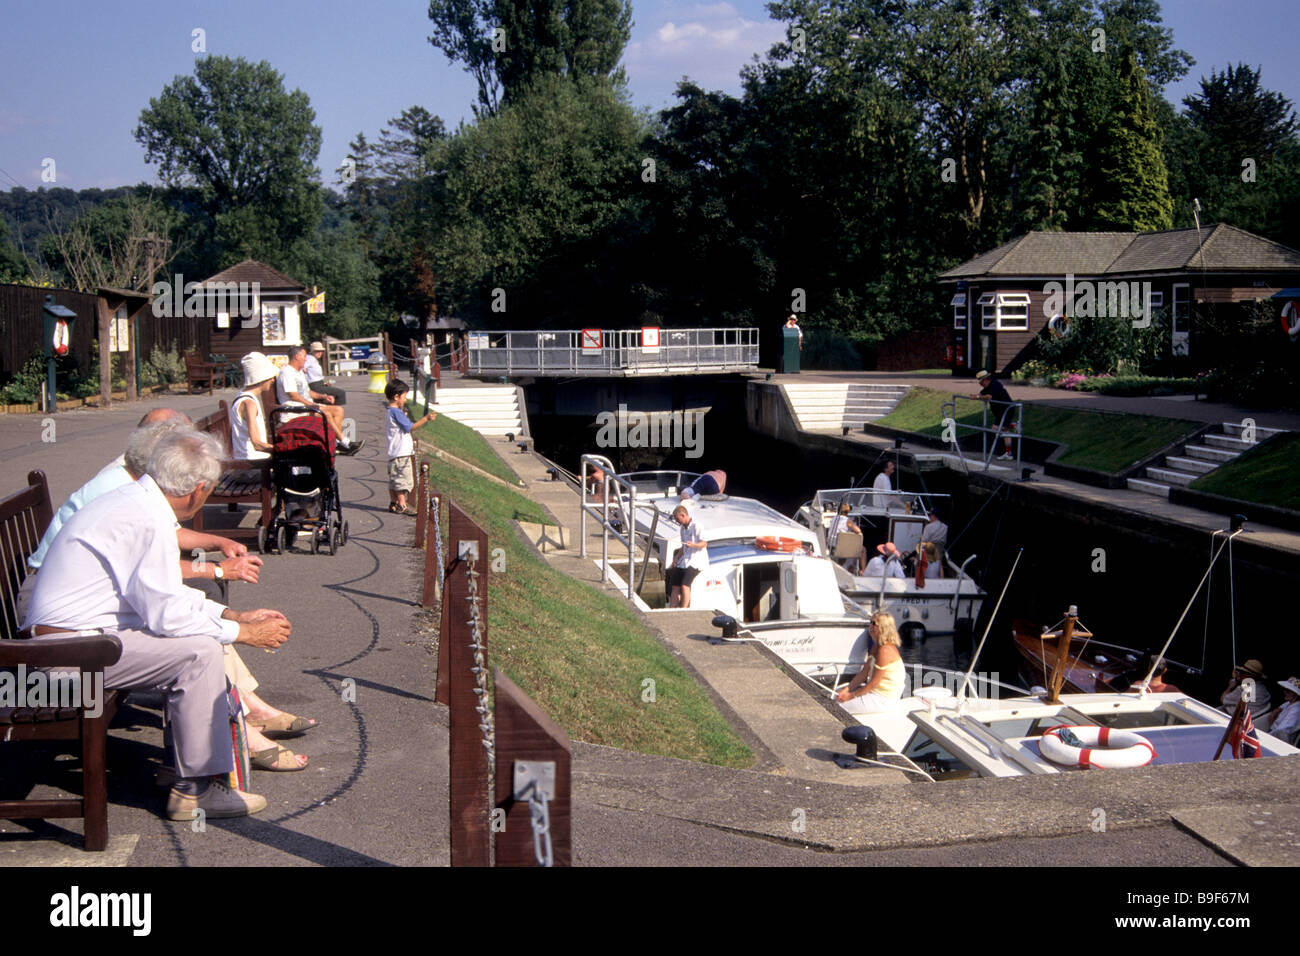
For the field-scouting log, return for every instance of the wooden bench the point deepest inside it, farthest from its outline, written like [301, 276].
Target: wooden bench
[241, 481]
[199, 373]
[24, 516]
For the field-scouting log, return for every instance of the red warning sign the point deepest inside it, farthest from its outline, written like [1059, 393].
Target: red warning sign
[591, 340]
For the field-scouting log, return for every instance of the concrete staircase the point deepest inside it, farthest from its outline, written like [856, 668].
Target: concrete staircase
[489, 410]
[833, 407]
[1197, 460]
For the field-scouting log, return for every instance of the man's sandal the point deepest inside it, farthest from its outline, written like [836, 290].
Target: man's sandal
[278, 759]
[283, 725]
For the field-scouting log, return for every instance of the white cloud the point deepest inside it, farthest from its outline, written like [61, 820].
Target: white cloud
[707, 42]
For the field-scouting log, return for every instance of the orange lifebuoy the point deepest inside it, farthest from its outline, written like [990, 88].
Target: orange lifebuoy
[61, 337]
[1104, 748]
[1291, 320]
[779, 544]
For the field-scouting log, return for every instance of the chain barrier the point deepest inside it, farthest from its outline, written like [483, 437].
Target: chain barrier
[480, 664]
[539, 816]
[435, 506]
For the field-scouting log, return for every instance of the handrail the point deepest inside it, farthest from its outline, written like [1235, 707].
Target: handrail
[949, 413]
[601, 351]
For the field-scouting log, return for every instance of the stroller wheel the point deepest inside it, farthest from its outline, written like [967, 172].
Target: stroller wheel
[335, 537]
[315, 540]
[345, 533]
[282, 539]
[263, 544]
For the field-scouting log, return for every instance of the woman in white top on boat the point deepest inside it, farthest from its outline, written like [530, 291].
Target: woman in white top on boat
[248, 438]
[877, 687]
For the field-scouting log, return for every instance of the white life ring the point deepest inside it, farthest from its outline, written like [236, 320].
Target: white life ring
[61, 337]
[1104, 748]
[1059, 326]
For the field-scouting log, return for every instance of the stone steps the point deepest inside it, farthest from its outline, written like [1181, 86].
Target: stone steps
[830, 407]
[491, 410]
[1199, 460]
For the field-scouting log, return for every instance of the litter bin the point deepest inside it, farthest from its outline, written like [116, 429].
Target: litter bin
[790, 351]
[378, 373]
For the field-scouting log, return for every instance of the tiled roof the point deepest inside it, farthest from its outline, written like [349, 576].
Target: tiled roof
[250, 271]
[1223, 248]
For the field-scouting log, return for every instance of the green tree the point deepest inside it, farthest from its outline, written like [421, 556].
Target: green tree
[507, 45]
[533, 197]
[248, 149]
[1133, 193]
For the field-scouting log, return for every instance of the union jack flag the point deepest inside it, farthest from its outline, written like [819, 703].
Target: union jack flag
[1244, 741]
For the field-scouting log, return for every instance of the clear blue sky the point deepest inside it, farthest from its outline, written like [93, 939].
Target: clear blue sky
[74, 76]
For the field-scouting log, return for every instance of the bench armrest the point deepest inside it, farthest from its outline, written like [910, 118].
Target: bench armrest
[88, 650]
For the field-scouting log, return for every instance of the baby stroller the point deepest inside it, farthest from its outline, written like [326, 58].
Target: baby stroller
[306, 484]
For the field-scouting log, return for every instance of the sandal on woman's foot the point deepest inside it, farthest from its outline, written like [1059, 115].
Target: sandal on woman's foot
[283, 725]
[278, 759]
[392, 508]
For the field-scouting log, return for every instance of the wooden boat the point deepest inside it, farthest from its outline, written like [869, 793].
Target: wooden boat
[1092, 666]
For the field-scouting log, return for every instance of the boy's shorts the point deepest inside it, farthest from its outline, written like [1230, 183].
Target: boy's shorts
[401, 473]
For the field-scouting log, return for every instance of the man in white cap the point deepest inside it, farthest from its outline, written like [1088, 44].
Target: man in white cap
[1000, 405]
[316, 375]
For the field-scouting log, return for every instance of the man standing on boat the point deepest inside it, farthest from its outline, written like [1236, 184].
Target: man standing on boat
[884, 483]
[692, 558]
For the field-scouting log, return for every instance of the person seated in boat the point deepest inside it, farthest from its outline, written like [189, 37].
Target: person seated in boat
[935, 530]
[887, 563]
[1262, 704]
[878, 687]
[691, 558]
[1157, 680]
[933, 569]
[709, 483]
[1285, 720]
[842, 522]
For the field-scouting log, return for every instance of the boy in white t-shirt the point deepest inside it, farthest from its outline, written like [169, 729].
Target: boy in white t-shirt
[401, 448]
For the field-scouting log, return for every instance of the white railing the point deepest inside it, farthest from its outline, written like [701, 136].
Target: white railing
[609, 352]
[341, 359]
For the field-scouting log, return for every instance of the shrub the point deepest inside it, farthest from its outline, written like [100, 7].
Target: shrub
[162, 368]
[25, 386]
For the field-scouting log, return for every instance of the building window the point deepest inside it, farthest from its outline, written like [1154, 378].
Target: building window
[1157, 301]
[1004, 311]
[959, 310]
[1182, 307]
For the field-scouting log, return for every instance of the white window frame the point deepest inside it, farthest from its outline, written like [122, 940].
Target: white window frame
[959, 309]
[1157, 300]
[288, 323]
[1005, 311]
[1182, 323]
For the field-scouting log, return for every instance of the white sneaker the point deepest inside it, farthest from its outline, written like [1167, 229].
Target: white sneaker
[219, 801]
[1005, 457]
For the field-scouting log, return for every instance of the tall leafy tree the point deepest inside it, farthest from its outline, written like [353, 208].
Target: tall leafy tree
[507, 45]
[247, 148]
[1133, 190]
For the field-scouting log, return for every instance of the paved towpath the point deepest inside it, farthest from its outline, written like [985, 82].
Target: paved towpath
[375, 791]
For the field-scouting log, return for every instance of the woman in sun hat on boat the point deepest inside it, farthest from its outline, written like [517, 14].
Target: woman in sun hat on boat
[878, 686]
[1286, 719]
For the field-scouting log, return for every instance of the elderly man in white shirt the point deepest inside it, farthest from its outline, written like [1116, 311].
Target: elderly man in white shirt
[116, 566]
[292, 389]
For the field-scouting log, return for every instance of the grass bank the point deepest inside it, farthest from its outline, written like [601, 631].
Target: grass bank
[1105, 441]
[582, 655]
[463, 442]
[1264, 475]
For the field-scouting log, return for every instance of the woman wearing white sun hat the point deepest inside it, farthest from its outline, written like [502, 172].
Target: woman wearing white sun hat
[248, 437]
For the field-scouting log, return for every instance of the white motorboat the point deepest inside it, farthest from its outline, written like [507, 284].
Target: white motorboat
[766, 577]
[922, 607]
[947, 735]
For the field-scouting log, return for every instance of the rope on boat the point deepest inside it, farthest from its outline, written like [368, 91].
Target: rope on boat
[1010, 574]
[1228, 536]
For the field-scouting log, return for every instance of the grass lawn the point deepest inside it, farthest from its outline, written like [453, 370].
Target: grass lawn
[463, 442]
[1105, 441]
[1265, 475]
[580, 654]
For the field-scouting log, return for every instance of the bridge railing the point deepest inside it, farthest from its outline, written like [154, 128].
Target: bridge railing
[612, 351]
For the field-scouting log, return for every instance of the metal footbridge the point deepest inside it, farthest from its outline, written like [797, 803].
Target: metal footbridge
[612, 353]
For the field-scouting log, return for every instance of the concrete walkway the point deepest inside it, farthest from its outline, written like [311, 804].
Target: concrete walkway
[375, 792]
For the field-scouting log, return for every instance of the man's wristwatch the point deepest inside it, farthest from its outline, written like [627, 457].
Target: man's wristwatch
[218, 572]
